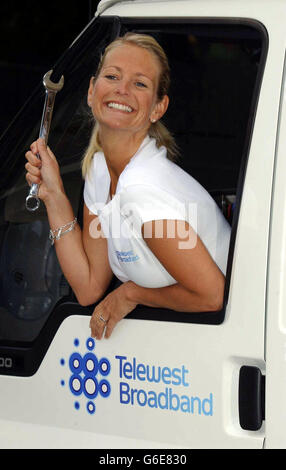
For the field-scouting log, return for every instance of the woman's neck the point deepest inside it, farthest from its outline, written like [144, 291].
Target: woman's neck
[118, 149]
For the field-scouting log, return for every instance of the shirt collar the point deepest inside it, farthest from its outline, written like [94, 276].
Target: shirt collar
[147, 150]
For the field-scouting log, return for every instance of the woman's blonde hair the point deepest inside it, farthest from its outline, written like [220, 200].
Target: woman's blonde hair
[157, 129]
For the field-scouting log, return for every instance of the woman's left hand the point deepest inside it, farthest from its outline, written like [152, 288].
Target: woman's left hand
[110, 311]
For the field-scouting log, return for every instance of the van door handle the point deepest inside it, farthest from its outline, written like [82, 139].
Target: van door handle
[251, 398]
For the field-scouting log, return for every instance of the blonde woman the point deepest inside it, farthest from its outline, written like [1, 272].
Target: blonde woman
[145, 219]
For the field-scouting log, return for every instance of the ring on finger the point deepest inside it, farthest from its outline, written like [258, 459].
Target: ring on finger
[102, 319]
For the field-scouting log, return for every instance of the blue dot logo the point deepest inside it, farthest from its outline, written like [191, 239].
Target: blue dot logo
[88, 375]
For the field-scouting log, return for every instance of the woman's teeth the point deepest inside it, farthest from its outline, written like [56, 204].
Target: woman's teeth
[122, 107]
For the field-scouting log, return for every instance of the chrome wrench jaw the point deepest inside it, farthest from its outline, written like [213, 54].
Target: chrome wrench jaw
[52, 86]
[32, 200]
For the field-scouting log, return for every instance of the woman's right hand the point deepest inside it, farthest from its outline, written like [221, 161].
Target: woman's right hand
[45, 171]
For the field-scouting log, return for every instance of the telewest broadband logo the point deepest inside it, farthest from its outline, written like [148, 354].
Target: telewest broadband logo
[133, 382]
[159, 387]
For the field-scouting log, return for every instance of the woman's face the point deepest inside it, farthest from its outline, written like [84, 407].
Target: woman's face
[124, 96]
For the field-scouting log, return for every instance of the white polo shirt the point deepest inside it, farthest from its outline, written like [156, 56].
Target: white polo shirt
[151, 187]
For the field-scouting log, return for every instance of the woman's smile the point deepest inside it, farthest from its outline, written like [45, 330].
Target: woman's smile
[119, 106]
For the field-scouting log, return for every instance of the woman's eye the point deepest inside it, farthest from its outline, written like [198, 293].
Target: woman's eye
[111, 77]
[141, 85]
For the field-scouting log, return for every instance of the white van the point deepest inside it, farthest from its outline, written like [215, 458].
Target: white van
[164, 379]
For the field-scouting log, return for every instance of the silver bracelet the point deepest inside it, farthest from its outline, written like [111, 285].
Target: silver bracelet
[58, 232]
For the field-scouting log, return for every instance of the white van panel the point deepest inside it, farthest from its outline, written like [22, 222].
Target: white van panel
[210, 383]
[261, 10]
[35, 436]
[276, 297]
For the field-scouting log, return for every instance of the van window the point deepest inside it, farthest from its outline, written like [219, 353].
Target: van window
[216, 71]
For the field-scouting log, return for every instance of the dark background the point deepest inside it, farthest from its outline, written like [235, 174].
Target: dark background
[33, 35]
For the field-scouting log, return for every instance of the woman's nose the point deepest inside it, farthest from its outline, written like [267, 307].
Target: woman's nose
[122, 87]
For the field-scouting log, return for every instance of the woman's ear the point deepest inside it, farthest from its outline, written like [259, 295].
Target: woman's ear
[90, 91]
[160, 109]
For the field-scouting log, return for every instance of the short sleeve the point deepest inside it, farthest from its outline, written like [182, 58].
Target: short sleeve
[148, 203]
[89, 195]
[97, 183]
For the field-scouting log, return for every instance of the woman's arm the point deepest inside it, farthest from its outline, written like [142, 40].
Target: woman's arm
[199, 288]
[200, 282]
[81, 254]
[175, 297]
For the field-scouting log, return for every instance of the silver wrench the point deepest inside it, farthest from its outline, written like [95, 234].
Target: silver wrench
[32, 200]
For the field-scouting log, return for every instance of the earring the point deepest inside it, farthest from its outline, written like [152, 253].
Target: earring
[153, 120]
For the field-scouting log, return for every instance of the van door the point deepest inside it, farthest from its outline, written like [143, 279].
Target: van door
[275, 326]
[164, 378]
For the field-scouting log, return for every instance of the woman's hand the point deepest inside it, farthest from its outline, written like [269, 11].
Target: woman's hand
[45, 171]
[111, 309]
